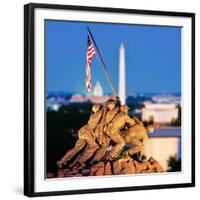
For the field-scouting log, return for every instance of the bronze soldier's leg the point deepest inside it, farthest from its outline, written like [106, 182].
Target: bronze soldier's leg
[71, 153]
[92, 146]
[137, 147]
[102, 150]
[119, 143]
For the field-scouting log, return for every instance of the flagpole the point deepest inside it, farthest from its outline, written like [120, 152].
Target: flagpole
[101, 59]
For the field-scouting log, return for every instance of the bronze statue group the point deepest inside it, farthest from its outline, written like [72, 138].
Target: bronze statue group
[108, 130]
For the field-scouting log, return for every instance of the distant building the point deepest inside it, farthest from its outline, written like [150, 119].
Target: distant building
[98, 90]
[99, 100]
[163, 144]
[77, 98]
[97, 96]
[167, 99]
[160, 112]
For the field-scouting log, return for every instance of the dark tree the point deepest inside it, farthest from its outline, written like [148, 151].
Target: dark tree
[174, 164]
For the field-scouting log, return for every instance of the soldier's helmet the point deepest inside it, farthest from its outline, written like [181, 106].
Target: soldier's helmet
[111, 105]
[95, 107]
[115, 99]
[124, 108]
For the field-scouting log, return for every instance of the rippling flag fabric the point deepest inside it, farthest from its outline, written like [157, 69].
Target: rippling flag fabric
[90, 54]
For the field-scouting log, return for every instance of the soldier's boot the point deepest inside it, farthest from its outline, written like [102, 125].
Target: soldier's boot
[78, 166]
[100, 153]
[119, 144]
[71, 153]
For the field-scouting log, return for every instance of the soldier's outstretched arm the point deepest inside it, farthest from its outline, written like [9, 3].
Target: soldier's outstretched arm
[137, 120]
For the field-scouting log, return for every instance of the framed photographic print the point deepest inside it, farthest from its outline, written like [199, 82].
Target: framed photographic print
[108, 99]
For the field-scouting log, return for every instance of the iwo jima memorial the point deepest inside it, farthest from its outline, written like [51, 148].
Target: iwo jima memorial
[112, 142]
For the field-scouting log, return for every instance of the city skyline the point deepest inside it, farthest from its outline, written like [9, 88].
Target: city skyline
[153, 57]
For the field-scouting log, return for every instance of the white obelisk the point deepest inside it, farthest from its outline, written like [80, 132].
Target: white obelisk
[122, 75]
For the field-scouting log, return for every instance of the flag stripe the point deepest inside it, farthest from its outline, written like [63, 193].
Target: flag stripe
[90, 54]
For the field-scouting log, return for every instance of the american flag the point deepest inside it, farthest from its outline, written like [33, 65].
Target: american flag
[90, 54]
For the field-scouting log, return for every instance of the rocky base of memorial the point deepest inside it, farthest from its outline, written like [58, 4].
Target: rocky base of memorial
[104, 168]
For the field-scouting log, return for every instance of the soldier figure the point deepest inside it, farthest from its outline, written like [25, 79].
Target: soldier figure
[120, 121]
[112, 108]
[86, 137]
[136, 136]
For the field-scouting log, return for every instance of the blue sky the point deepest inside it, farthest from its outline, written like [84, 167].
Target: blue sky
[153, 56]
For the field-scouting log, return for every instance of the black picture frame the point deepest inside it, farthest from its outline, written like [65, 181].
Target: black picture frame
[29, 98]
